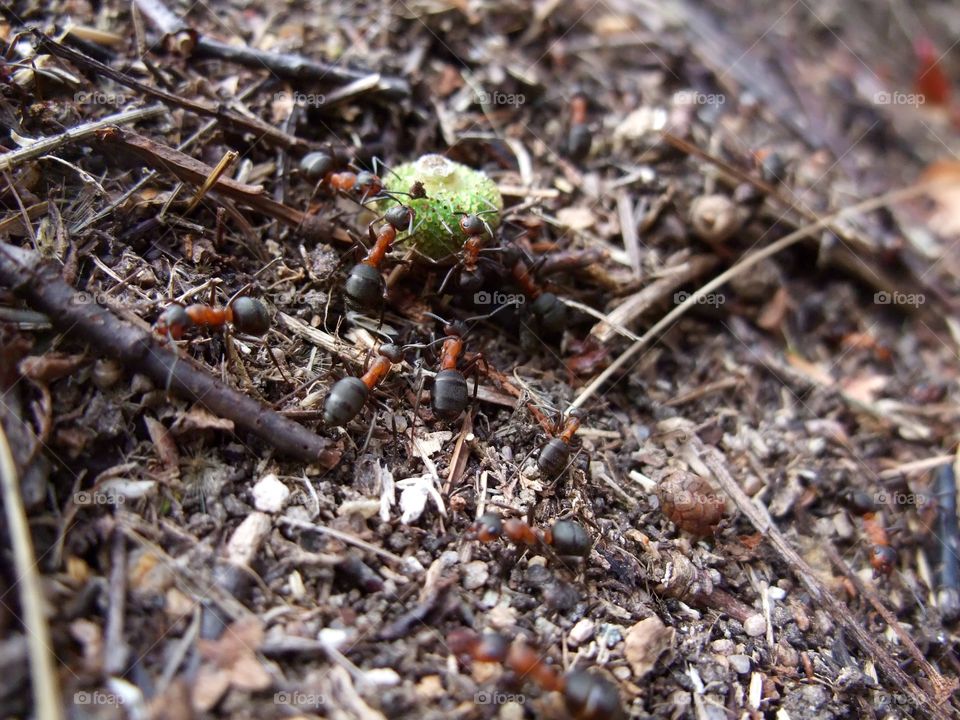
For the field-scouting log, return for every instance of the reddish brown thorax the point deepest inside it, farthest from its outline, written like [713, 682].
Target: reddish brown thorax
[377, 372]
[381, 246]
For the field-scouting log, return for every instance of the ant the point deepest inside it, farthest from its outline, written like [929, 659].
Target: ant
[564, 537]
[470, 278]
[883, 558]
[348, 395]
[587, 696]
[364, 287]
[691, 503]
[579, 138]
[324, 167]
[549, 310]
[247, 314]
[449, 396]
[555, 455]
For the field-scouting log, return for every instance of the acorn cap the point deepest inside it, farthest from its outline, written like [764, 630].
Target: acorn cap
[453, 189]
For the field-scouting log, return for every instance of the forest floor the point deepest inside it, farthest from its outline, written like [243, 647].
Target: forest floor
[740, 333]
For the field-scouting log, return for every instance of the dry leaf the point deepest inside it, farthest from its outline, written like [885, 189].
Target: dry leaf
[817, 374]
[645, 643]
[576, 218]
[865, 388]
[946, 219]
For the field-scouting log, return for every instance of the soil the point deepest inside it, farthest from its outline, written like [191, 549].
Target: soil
[197, 558]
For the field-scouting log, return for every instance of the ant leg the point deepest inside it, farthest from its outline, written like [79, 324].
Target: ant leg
[416, 405]
[373, 424]
[449, 275]
[377, 163]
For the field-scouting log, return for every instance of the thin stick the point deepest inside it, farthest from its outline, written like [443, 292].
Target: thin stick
[39, 283]
[10, 160]
[738, 269]
[46, 690]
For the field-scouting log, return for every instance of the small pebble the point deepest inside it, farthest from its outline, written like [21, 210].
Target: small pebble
[475, 575]
[269, 494]
[382, 677]
[581, 632]
[336, 637]
[776, 593]
[723, 646]
[740, 663]
[755, 625]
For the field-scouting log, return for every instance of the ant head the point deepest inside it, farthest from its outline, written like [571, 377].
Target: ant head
[455, 329]
[400, 216]
[472, 225]
[392, 352]
[578, 412]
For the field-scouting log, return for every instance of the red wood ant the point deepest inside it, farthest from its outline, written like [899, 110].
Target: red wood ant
[547, 308]
[364, 286]
[555, 455]
[883, 558]
[449, 396]
[348, 395]
[247, 314]
[325, 168]
[579, 139]
[564, 537]
[476, 229]
[587, 696]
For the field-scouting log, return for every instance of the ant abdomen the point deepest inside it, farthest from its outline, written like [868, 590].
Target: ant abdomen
[316, 165]
[345, 401]
[553, 458]
[591, 697]
[470, 281]
[449, 396]
[364, 287]
[569, 538]
[250, 316]
[550, 312]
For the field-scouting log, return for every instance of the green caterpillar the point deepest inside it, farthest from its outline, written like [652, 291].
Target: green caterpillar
[452, 190]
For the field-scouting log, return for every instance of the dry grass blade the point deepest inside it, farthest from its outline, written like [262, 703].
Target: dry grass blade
[46, 688]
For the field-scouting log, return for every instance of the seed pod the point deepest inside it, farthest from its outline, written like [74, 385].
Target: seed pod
[451, 190]
[691, 503]
[715, 218]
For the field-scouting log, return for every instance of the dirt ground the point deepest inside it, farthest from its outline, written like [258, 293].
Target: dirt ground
[760, 324]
